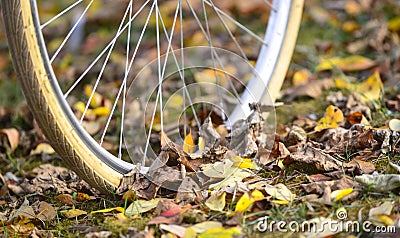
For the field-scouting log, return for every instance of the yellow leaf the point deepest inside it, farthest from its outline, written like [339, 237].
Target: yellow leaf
[188, 143]
[350, 63]
[79, 106]
[280, 202]
[257, 195]
[220, 232]
[341, 82]
[384, 219]
[301, 77]
[43, 148]
[353, 8]
[350, 26]
[337, 195]
[175, 101]
[202, 144]
[96, 99]
[394, 24]
[245, 164]
[244, 202]
[216, 202]
[72, 213]
[371, 89]
[118, 209]
[205, 226]
[101, 111]
[190, 233]
[333, 116]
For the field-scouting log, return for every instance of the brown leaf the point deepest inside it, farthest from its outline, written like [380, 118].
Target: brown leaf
[13, 137]
[66, 199]
[312, 89]
[312, 160]
[46, 211]
[359, 167]
[325, 188]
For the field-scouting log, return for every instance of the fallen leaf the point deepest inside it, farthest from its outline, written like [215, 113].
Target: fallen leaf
[141, 206]
[66, 199]
[333, 117]
[204, 226]
[350, 63]
[118, 209]
[96, 99]
[174, 229]
[280, 192]
[337, 195]
[371, 89]
[301, 77]
[379, 216]
[43, 148]
[13, 137]
[312, 89]
[394, 125]
[394, 24]
[46, 211]
[380, 182]
[221, 232]
[357, 118]
[72, 213]
[80, 197]
[244, 202]
[216, 201]
[188, 143]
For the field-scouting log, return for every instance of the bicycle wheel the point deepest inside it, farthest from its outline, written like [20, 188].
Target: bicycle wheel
[37, 62]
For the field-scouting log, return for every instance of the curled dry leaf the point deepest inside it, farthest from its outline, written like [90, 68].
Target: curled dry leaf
[12, 136]
[380, 182]
[312, 160]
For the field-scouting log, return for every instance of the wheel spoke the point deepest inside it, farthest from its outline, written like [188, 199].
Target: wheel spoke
[70, 32]
[226, 27]
[60, 14]
[104, 64]
[240, 25]
[181, 70]
[112, 42]
[214, 53]
[123, 85]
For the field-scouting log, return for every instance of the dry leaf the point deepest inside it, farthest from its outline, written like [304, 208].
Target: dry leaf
[13, 137]
[380, 182]
[66, 199]
[46, 211]
[141, 206]
[394, 125]
[174, 229]
[221, 232]
[204, 226]
[371, 89]
[216, 201]
[72, 213]
[43, 148]
[350, 63]
[188, 143]
[280, 192]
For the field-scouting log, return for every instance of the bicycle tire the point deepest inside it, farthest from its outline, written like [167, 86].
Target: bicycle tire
[49, 110]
